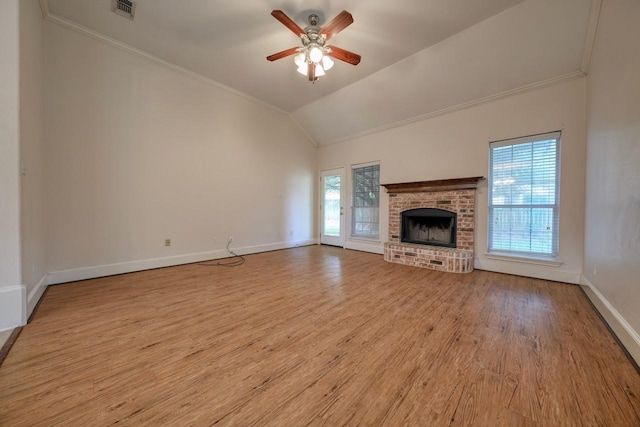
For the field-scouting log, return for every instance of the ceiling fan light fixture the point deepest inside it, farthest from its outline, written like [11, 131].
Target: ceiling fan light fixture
[312, 58]
[315, 54]
[302, 69]
[300, 59]
[327, 63]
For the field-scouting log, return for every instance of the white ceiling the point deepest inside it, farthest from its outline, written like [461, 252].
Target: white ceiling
[418, 56]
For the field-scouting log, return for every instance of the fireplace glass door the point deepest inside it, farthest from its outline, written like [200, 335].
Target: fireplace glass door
[429, 226]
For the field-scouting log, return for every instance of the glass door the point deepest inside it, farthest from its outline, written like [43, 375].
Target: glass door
[332, 207]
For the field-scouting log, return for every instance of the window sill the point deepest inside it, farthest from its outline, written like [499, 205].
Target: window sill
[501, 256]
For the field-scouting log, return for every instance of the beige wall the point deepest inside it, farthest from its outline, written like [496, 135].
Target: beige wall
[612, 231]
[32, 212]
[138, 152]
[456, 145]
[12, 310]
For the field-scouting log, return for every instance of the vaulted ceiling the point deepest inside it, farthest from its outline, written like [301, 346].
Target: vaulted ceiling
[419, 57]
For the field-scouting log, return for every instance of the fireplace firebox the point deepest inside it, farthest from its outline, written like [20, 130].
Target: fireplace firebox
[429, 226]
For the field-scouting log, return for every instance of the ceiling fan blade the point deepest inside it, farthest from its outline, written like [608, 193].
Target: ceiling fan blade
[344, 55]
[283, 54]
[311, 71]
[337, 24]
[287, 22]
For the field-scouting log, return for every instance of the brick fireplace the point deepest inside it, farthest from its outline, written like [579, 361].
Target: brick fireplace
[456, 196]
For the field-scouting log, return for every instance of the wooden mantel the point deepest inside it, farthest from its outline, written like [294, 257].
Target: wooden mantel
[438, 185]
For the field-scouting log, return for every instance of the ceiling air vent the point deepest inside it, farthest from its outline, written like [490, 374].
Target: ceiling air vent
[124, 8]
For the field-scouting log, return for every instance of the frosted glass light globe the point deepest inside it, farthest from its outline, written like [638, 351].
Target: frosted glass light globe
[327, 63]
[315, 54]
[299, 59]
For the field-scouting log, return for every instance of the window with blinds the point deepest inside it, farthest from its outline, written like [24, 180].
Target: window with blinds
[366, 201]
[523, 195]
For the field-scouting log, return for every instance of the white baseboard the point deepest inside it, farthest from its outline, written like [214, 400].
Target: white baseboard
[528, 270]
[628, 336]
[247, 250]
[92, 272]
[365, 246]
[12, 307]
[36, 293]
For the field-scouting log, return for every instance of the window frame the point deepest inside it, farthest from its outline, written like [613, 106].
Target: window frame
[555, 240]
[352, 231]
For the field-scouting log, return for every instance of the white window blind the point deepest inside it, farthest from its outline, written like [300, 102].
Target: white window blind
[366, 201]
[523, 195]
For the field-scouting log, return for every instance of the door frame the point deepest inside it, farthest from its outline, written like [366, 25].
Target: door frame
[333, 240]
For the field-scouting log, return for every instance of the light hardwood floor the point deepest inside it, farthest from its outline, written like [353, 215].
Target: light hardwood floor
[4, 336]
[317, 336]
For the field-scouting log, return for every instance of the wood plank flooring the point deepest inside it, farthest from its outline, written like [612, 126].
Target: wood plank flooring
[317, 336]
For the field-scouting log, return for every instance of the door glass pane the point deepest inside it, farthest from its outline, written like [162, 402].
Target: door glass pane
[331, 205]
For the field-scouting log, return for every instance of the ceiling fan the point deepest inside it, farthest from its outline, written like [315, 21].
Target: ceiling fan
[313, 58]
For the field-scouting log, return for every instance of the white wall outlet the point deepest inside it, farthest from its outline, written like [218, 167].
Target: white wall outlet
[167, 242]
[215, 241]
[290, 233]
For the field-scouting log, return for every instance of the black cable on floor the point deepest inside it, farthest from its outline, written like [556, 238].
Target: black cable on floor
[232, 263]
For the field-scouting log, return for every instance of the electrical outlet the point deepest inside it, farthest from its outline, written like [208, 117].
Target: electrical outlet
[230, 239]
[290, 233]
[167, 242]
[215, 241]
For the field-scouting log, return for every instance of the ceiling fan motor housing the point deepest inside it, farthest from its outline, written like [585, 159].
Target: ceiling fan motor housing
[312, 32]
[314, 20]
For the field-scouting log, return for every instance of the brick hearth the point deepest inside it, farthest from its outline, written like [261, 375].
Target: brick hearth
[454, 195]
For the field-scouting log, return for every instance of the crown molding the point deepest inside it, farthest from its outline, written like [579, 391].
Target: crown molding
[44, 8]
[523, 89]
[592, 26]
[303, 130]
